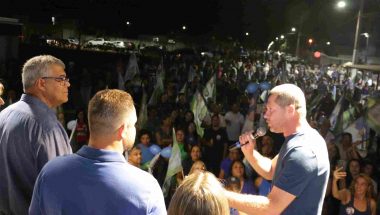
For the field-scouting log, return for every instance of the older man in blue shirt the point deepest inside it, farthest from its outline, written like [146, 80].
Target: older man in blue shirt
[97, 179]
[30, 134]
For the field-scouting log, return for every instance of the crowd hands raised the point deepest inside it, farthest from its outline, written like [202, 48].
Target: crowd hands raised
[237, 107]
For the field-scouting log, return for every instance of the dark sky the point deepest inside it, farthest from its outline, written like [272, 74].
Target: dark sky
[263, 19]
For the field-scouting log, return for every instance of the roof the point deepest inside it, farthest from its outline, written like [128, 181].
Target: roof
[373, 68]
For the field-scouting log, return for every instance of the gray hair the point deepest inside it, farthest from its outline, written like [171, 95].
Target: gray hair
[36, 68]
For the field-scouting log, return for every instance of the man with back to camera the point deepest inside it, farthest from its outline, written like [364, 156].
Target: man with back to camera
[300, 172]
[30, 134]
[97, 179]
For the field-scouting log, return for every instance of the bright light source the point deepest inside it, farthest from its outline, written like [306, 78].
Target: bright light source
[317, 54]
[341, 4]
[310, 41]
[246, 34]
[53, 20]
[282, 36]
[328, 43]
[128, 23]
[366, 35]
[276, 38]
[293, 29]
[183, 27]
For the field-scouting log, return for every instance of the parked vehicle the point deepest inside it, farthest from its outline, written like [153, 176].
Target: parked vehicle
[97, 42]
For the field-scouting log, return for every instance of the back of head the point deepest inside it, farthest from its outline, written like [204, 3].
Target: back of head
[288, 94]
[108, 110]
[200, 193]
[36, 68]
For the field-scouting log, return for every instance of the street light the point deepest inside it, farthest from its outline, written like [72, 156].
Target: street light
[282, 36]
[328, 43]
[293, 29]
[342, 4]
[366, 35]
[184, 27]
[247, 34]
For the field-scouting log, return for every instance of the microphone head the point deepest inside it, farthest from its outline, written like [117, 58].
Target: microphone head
[261, 131]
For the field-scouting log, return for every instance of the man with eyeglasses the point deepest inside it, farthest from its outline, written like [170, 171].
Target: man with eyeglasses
[31, 135]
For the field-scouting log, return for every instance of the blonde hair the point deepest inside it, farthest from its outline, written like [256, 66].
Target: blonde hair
[288, 94]
[108, 109]
[200, 193]
[369, 193]
[38, 67]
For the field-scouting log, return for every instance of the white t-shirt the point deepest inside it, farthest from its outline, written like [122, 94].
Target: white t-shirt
[234, 127]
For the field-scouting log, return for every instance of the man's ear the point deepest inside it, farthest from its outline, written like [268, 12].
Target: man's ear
[40, 84]
[120, 132]
[291, 109]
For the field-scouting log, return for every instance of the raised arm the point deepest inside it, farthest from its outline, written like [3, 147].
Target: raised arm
[339, 194]
[263, 165]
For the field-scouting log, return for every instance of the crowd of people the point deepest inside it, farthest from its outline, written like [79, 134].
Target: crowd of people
[304, 164]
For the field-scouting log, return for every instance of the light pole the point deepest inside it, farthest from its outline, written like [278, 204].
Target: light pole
[342, 4]
[366, 35]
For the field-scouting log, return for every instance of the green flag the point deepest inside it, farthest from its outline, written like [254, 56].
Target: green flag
[199, 108]
[143, 113]
[209, 92]
[158, 89]
[174, 166]
[373, 114]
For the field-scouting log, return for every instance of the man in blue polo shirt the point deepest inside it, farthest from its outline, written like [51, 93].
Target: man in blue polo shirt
[97, 179]
[30, 134]
[300, 172]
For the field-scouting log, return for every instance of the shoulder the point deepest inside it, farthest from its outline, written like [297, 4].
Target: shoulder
[57, 167]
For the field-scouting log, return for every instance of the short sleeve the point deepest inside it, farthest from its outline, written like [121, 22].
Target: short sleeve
[299, 167]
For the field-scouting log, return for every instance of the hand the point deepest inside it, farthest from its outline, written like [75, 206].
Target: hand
[248, 143]
[338, 174]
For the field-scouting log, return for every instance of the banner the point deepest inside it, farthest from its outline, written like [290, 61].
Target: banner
[199, 108]
[373, 114]
[174, 166]
[209, 92]
[143, 113]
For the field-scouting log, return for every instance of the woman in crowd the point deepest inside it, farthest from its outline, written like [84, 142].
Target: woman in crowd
[237, 170]
[197, 166]
[358, 198]
[192, 138]
[195, 155]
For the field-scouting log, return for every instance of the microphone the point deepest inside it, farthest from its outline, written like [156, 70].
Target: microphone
[259, 133]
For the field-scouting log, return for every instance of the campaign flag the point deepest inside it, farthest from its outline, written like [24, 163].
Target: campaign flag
[158, 89]
[174, 166]
[199, 108]
[132, 68]
[209, 92]
[373, 114]
[143, 113]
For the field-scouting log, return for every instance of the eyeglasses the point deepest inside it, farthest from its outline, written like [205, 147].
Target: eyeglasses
[58, 79]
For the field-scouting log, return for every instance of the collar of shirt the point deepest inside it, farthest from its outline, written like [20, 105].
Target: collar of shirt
[35, 101]
[101, 154]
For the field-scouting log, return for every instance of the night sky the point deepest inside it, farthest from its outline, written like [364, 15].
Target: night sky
[263, 19]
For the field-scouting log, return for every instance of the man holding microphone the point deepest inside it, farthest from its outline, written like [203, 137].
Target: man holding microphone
[300, 171]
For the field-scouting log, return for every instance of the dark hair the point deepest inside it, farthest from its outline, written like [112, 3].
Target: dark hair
[143, 132]
[241, 162]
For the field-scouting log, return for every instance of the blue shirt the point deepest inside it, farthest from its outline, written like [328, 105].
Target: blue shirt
[95, 181]
[303, 170]
[30, 136]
